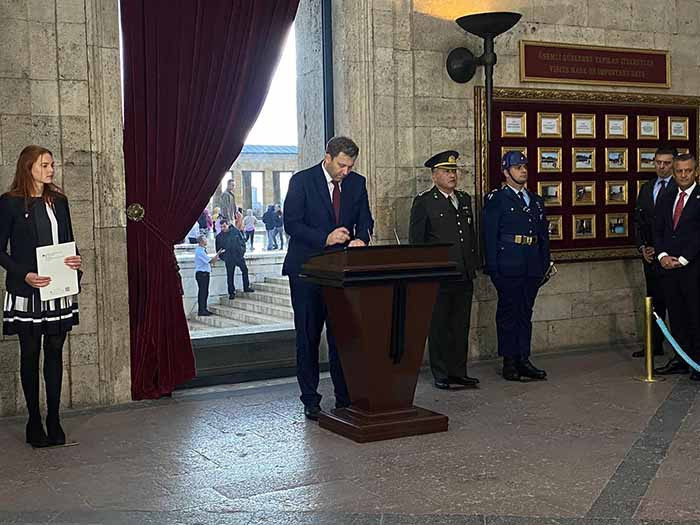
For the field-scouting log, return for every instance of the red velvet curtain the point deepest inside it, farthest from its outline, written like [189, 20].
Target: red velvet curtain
[196, 73]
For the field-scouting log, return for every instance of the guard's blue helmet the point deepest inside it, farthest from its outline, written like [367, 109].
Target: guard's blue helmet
[513, 158]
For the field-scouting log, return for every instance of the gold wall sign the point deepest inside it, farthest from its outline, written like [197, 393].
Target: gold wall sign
[582, 64]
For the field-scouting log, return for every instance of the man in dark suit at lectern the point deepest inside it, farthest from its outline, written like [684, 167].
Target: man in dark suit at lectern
[326, 207]
[677, 243]
[649, 195]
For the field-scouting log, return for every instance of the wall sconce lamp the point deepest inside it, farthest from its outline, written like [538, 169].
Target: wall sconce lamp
[462, 64]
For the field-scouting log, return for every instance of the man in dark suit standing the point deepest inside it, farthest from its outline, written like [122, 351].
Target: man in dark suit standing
[649, 195]
[677, 241]
[444, 214]
[326, 207]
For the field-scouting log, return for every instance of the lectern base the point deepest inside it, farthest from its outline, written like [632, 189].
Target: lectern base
[362, 427]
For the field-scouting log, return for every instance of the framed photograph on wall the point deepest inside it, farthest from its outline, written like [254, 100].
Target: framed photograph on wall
[583, 226]
[616, 192]
[615, 159]
[555, 227]
[645, 159]
[582, 159]
[647, 127]
[615, 126]
[519, 149]
[550, 192]
[548, 125]
[583, 125]
[677, 128]
[616, 225]
[683, 151]
[583, 193]
[548, 159]
[513, 124]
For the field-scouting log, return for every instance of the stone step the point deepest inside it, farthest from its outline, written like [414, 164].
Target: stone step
[250, 316]
[282, 289]
[278, 312]
[216, 321]
[279, 281]
[261, 297]
[196, 325]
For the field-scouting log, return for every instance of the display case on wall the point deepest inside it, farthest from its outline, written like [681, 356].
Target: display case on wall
[589, 153]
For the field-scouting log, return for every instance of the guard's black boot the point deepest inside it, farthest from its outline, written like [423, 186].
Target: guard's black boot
[510, 370]
[527, 369]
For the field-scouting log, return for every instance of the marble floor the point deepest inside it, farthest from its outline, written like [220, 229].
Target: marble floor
[588, 446]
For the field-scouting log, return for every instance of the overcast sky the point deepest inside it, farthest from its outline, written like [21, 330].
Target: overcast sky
[277, 122]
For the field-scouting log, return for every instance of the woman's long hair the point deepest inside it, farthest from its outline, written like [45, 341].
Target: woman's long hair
[23, 183]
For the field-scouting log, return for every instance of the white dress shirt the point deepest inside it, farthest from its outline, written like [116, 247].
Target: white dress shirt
[329, 181]
[688, 192]
[451, 197]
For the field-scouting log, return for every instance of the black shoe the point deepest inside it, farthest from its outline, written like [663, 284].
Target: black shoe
[510, 371]
[249, 290]
[55, 432]
[527, 369]
[641, 353]
[674, 366]
[36, 436]
[442, 384]
[205, 314]
[312, 412]
[694, 375]
[231, 296]
[342, 404]
[464, 380]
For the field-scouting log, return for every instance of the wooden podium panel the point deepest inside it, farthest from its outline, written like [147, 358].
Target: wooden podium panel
[380, 301]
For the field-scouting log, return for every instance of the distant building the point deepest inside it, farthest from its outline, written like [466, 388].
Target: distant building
[262, 174]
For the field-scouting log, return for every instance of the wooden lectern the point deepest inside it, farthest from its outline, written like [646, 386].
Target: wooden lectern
[380, 300]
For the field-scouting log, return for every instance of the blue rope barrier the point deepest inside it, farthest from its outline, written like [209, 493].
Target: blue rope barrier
[674, 343]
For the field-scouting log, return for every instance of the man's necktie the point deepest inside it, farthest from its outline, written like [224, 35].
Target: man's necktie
[522, 198]
[662, 188]
[453, 200]
[336, 200]
[679, 209]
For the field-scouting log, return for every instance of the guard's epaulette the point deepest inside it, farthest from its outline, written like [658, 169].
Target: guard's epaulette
[492, 193]
[423, 192]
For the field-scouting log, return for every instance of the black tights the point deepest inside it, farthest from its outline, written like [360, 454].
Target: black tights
[30, 348]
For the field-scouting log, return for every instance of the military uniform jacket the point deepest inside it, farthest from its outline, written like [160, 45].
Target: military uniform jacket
[435, 220]
[505, 215]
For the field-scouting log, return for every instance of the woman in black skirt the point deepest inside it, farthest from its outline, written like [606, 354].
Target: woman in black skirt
[35, 213]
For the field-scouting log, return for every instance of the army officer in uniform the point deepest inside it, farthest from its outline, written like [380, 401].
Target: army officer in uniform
[444, 214]
[516, 241]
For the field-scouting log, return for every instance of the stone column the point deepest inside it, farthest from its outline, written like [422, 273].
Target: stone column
[109, 190]
[309, 82]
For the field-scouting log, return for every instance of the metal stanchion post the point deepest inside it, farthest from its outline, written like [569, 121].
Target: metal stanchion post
[649, 344]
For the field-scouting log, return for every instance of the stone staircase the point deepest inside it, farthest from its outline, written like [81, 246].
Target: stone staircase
[270, 305]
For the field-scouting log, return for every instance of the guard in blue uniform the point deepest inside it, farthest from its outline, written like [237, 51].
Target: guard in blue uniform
[516, 242]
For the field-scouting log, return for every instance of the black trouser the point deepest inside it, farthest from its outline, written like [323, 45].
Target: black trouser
[30, 348]
[516, 299]
[655, 290]
[203, 293]
[250, 237]
[231, 273]
[309, 315]
[448, 343]
[682, 289]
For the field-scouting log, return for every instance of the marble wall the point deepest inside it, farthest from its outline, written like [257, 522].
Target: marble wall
[60, 88]
[393, 95]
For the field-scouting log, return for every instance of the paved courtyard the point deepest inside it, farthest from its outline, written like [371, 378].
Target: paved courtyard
[588, 446]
